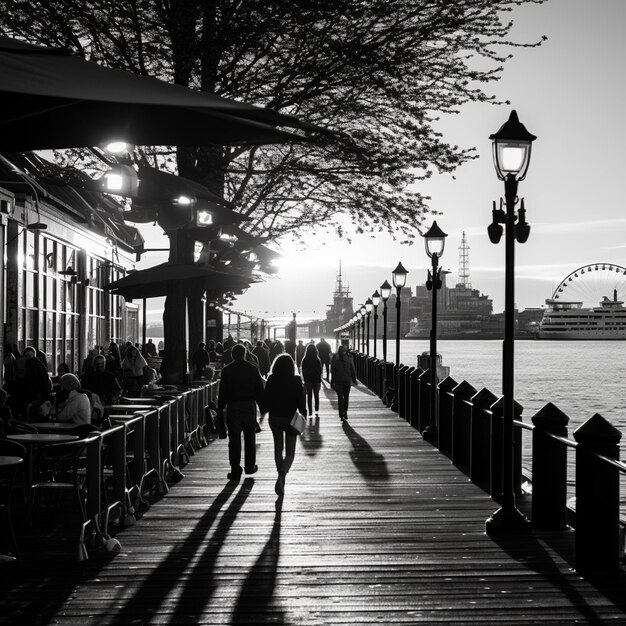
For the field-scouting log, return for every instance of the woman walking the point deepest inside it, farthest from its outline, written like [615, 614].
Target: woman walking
[284, 394]
[342, 375]
[311, 368]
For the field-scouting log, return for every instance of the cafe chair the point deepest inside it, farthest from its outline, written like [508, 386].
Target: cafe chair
[8, 478]
[60, 468]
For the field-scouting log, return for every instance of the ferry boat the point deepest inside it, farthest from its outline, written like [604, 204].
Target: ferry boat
[570, 320]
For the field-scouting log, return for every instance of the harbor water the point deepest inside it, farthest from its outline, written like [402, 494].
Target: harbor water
[580, 377]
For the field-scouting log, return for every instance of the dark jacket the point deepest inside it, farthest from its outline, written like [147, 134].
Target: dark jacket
[240, 380]
[283, 396]
[311, 369]
[323, 349]
[342, 370]
[264, 359]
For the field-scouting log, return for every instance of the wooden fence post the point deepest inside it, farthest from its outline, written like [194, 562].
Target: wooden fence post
[414, 405]
[446, 403]
[480, 436]
[549, 465]
[461, 416]
[597, 496]
[424, 412]
[496, 449]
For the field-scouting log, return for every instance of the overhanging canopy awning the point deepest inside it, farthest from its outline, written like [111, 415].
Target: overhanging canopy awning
[154, 281]
[52, 99]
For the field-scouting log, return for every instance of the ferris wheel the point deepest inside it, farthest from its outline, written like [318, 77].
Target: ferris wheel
[589, 284]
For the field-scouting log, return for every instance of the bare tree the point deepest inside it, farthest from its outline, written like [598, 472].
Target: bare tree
[377, 72]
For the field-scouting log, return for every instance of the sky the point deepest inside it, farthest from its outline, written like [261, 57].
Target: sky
[570, 92]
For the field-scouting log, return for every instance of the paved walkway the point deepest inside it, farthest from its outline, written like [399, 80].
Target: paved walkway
[376, 527]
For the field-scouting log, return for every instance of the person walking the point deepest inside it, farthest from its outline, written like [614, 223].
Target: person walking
[241, 388]
[311, 369]
[199, 361]
[300, 350]
[132, 371]
[262, 354]
[284, 394]
[323, 350]
[343, 374]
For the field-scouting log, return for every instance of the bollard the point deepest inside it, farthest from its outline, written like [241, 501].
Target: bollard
[496, 449]
[461, 419]
[388, 384]
[480, 436]
[597, 496]
[406, 386]
[423, 416]
[446, 400]
[414, 406]
[549, 499]
[380, 378]
[396, 388]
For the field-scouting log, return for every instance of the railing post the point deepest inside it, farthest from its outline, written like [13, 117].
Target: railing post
[461, 416]
[480, 436]
[388, 383]
[549, 465]
[414, 404]
[424, 399]
[497, 441]
[406, 386]
[597, 496]
[400, 390]
[446, 403]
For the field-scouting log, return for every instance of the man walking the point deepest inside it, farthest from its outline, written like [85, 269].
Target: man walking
[323, 350]
[241, 390]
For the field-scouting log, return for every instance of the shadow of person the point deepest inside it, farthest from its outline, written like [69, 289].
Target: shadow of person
[256, 602]
[147, 600]
[370, 464]
[539, 552]
[200, 586]
[311, 439]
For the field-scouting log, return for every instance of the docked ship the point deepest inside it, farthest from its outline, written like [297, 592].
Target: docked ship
[570, 320]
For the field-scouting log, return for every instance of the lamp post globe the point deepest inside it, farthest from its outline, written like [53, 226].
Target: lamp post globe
[434, 241]
[511, 155]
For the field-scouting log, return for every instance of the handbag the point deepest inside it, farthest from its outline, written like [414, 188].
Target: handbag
[298, 422]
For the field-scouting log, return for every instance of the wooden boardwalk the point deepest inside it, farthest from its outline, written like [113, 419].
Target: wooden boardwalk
[376, 527]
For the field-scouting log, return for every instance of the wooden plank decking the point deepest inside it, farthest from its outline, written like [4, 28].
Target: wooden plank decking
[376, 527]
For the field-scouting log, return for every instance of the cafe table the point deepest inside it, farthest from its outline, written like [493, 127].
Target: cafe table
[32, 441]
[54, 427]
[8, 467]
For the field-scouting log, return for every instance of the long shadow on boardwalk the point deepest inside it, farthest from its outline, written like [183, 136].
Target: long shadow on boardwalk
[531, 552]
[148, 599]
[371, 464]
[256, 597]
[312, 438]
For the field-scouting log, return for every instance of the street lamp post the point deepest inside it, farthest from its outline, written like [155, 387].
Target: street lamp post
[385, 292]
[369, 305]
[435, 241]
[399, 280]
[358, 330]
[375, 303]
[511, 153]
[363, 315]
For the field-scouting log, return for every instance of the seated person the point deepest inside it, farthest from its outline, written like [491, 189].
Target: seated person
[62, 368]
[71, 404]
[101, 381]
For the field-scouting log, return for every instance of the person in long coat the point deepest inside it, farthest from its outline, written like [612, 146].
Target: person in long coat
[311, 369]
[343, 374]
[284, 393]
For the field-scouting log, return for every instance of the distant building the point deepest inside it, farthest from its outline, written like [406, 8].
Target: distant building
[341, 310]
